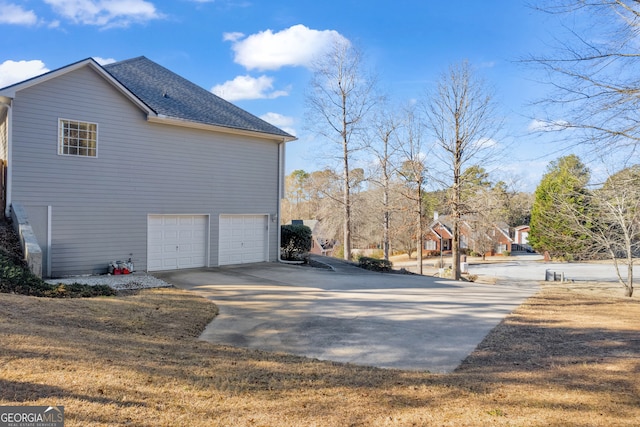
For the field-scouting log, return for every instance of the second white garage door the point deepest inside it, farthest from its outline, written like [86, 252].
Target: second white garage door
[243, 239]
[176, 241]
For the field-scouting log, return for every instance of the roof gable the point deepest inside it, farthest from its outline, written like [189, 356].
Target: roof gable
[441, 229]
[174, 97]
[9, 92]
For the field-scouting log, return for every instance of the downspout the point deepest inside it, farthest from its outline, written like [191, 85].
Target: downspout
[7, 210]
[279, 207]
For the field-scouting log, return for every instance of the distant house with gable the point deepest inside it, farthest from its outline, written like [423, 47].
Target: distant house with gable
[489, 239]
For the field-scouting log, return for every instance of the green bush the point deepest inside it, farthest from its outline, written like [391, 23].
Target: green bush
[374, 264]
[506, 253]
[295, 241]
[16, 278]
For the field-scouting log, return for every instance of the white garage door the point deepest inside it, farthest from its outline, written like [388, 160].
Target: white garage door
[243, 239]
[176, 241]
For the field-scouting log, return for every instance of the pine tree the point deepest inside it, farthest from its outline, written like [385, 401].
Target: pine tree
[561, 192]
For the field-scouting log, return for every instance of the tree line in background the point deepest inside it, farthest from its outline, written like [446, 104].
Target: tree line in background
[384, 217]
[432, 154]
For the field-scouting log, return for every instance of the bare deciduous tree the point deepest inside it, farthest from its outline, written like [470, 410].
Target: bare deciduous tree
[403, 221]
[618, 228]
[340, 97]
[593, 73]
[461, 116]
[324, 188]
[412, 170]
[486, 214]
[385, 124]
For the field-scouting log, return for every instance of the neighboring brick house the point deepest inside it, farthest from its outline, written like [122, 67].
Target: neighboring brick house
[499, 234]
[439, 235]
[491, 239]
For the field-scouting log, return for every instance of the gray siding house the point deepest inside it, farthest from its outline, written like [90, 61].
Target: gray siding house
[130, 160]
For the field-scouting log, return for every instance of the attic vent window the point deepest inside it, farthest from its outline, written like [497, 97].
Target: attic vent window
[77, 138]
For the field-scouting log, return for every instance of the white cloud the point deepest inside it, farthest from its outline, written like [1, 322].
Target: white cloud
[487, 64]
[14, 14]
[104, 61]
[486, 143]
[547, 126]
[277, 119]
[247, 87]
[283, 122]
[294, 46]
[105, 13]
[232, 37]
[525, 175]
[16, 71]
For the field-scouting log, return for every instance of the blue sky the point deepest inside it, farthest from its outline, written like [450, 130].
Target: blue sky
[256, 53]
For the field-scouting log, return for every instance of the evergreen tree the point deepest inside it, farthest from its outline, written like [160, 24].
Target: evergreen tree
[561, 193]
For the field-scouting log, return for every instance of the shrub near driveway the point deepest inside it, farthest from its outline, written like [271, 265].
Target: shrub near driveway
[295, 241]
[375, 264]
[562, 358]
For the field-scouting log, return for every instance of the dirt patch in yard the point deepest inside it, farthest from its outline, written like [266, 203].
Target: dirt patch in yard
[564, 357]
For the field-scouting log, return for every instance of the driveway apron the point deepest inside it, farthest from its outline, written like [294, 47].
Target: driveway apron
[350, 315]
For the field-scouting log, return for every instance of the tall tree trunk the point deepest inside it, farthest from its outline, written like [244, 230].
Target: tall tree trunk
[457, 206]
[385, 236]
[385, 199]
[455, 250]
[347, 206]
[419, 230]
[629, 288]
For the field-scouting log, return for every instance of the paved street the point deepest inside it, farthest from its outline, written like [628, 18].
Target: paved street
[532, 268]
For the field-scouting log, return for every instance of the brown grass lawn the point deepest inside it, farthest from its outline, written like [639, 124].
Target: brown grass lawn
[564, 358]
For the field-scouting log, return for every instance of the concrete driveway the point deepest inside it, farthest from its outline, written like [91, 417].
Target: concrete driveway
[350, 315]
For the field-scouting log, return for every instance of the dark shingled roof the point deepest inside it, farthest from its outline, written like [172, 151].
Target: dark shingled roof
[168, 94]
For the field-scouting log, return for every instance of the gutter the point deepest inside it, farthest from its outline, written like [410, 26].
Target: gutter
[279, 207]
[176, 121]
[6, 102]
